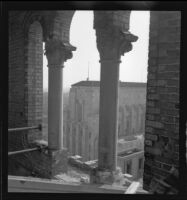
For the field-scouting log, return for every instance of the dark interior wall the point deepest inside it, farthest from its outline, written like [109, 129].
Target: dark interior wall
[162, 110]
[16, 115]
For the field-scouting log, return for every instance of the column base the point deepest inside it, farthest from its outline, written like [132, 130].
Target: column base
[105, 176]
[58, 162]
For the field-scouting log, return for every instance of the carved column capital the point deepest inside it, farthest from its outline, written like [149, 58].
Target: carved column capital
[112, 44]
[58, 52]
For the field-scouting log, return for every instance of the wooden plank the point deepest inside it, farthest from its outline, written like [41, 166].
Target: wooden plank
[39, 127]
[22, 151]
[132, 188]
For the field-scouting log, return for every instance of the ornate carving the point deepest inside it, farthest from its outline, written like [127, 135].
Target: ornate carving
[112, 44]
[125, 42]
[58, 52]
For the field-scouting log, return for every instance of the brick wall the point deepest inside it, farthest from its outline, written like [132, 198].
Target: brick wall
[16, 98]
[162, 110]
[25, 88]
[25, 73]
[62, 24]
[16, 116]
[34, 77]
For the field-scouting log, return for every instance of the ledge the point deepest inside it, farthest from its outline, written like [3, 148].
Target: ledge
[37, 185]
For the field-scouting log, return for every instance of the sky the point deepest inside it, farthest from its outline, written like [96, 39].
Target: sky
[133, 67]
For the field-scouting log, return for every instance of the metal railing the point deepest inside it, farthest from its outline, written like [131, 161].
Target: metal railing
[10, 130]
[23, 151]
[39, 127]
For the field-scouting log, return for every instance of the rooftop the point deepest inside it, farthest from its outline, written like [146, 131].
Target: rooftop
[97, 84]
[129, 152]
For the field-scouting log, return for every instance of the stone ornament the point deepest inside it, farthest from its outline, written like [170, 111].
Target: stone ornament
[126, 39]
[58, 52]
[113, 43]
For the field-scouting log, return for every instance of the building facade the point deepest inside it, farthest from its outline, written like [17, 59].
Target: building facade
[81, 126]
[130, 157]
[131, 162]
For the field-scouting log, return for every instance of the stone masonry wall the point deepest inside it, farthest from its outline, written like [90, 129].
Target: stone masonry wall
[162, 108]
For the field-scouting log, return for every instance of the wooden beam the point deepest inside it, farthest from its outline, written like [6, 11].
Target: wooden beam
[132, 188]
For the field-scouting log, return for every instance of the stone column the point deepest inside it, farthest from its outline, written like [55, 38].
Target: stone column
[111, 44]
[57, 53]
[108, 119]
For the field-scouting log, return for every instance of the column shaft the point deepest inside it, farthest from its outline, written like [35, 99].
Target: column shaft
[55, 108]
[108, 120]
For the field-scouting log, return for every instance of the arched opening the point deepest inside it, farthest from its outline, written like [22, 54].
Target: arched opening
[83, 71]
[85, 62]
[84, 66]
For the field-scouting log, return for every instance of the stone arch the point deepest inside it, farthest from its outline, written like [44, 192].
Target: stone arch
[61, 25]
[60, 22]
[32, 16]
